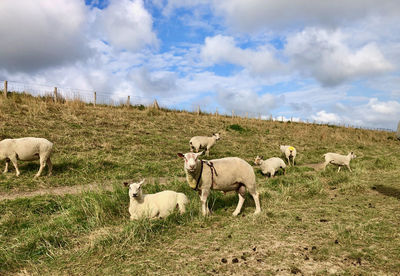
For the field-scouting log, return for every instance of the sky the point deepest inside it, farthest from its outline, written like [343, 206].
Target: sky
[334, 62]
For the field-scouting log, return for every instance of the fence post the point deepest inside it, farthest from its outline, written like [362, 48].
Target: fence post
[198, 110]
[259, 116]
[247, 115]
[216, 112]
[233, 113]
[55, 94]
[95, 98]
[5, 89]
[128, 101]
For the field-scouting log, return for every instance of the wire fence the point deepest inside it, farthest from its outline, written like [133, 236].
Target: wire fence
[106, 98]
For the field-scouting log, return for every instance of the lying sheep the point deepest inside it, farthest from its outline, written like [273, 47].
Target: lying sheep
[26, 149]
[270, 166]
[289, 152]
[158, 205]
[226, 174]
[338, 159]
[203, 142]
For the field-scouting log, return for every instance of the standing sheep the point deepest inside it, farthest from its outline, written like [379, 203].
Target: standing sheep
[203, 142]
[289, 152]
[270, 166]
[225, 174]
[26, 149]
[338, 159]
[158, 205]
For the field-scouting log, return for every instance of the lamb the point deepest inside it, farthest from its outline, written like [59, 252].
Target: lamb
[289, 152]
[158, 205]
[270, 166]
[338, 159]
[198, 142]
[26, 149]
[225, 174]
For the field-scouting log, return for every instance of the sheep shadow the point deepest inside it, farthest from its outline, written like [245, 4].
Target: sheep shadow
[387, 191]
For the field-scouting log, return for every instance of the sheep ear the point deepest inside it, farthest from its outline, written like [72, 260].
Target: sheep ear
[141, 182]
[181, 155]
[261, 157]
[126, 184]
[199, 154]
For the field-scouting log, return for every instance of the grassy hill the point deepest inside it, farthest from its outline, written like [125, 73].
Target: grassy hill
[311, 222]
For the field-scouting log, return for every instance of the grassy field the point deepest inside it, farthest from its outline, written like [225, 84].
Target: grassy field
[311, 222]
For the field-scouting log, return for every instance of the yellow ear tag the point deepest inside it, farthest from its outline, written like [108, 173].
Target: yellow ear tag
[291, 148]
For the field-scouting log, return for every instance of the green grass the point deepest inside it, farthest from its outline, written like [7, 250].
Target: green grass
[319, 223]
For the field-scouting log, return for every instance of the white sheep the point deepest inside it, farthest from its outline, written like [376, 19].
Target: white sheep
[225, 174]
[203, 142]
[289, 152]
[158, 205]
[26, 149]
[338, 159]
[271, 165]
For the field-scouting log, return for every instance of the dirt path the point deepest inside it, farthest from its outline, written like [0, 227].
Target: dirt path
[75, 189]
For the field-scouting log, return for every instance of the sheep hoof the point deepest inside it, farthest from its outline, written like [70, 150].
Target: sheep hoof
[257, 212]
[235, 214]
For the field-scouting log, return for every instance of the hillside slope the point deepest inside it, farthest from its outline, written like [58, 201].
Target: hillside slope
[312, 222]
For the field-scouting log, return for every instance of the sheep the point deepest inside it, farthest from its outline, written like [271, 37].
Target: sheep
[225, 174]
[270, 166]
[158, 205]
[398, 131]
[289, 152]
[198, 142]
[26, 149]
[338, 159]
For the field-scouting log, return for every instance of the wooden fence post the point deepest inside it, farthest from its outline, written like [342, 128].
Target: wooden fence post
[233, 113]
[216, 112]
[55, 94]
[198, 110]
[128, 101]
[247, 115]
[95, 98]
[5, 89]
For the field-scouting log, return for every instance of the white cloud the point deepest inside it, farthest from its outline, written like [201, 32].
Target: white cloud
[126, 25]
[325, 117]
[222, 49]
[253, 15]
[35, 34]
[324, 55]
[242, 101]
[161, 83]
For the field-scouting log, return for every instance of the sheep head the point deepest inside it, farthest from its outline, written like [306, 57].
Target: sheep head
[135, 189]
[258, 160]
[190, 160]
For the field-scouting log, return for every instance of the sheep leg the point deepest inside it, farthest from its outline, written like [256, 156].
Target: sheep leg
[288, 160]
[6, 168]
[239, 206]
[339, 169]
[203, 199]
[348, 166]
[208, 152]
[49, 165]
[14, 161]
[293, 161]
[256, 198]
[42, 165]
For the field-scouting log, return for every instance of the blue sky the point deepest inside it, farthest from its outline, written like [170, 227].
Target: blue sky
[326, 61]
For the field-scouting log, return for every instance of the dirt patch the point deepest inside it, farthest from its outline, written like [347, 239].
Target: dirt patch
[77, 189]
